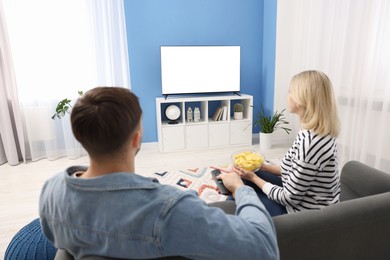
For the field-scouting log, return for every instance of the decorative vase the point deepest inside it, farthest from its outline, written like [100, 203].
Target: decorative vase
[196, 114]
[238, 115]
[190, 115]
[265, 140]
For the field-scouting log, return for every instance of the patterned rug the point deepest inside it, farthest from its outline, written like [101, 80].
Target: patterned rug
[198, 179]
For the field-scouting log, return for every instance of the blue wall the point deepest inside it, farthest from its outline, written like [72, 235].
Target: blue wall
[269, 50]
[152, 23]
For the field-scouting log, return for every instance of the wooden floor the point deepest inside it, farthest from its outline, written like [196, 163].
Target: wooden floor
[20, 185]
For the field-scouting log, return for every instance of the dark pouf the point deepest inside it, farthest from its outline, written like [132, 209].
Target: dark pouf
[30, 243]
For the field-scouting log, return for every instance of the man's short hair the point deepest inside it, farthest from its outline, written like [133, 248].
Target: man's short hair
[104, 118]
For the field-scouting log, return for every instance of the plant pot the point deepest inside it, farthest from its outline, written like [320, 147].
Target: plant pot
[265, 140]
[238, 115]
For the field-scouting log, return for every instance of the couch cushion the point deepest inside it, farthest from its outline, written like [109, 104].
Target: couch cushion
[360, 180]
[354, 229]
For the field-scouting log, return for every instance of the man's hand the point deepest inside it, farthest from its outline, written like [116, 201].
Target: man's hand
[230, 178]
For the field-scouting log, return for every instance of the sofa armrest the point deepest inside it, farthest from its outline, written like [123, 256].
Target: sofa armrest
[354, 229]
[360, 180]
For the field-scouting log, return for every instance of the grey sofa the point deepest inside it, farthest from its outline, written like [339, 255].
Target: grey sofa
[356, 228]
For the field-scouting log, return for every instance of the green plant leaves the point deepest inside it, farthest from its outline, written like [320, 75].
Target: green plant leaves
[270, 124]
[238, 107]
[63, 107]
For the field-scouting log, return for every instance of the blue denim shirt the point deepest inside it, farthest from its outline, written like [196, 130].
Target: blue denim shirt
[125, 215]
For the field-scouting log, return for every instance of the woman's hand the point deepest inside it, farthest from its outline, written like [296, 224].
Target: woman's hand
[250, 176]
[272, 168]
[245, 174]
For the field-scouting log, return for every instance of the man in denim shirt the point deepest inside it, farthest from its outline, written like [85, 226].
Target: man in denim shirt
[108, 210]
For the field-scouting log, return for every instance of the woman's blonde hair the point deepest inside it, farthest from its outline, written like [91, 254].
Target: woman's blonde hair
[313, 94]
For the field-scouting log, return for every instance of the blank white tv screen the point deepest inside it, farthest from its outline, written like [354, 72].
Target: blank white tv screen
[200, 69]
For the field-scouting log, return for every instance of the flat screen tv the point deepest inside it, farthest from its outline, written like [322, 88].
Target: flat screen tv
[200, 69]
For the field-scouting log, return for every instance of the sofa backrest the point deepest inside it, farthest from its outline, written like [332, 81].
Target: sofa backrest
[360, 180]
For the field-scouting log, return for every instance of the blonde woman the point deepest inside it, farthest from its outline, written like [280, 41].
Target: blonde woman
[308, 177]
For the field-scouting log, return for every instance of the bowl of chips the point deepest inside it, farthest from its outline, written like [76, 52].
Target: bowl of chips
[248, 160]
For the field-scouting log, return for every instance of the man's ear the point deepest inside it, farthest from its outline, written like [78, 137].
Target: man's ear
[137, 139]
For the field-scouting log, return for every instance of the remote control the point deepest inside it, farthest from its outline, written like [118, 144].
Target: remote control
[219, 182]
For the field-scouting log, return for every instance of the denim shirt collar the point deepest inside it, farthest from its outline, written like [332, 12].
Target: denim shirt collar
[112, 181]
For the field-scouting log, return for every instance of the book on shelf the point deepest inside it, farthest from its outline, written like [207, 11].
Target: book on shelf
[220, 114]
[217, 114]
[224, 113]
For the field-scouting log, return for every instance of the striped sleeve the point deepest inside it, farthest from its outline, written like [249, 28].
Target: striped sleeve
[295, 186]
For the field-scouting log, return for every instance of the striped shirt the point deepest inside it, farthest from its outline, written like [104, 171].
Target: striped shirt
[309, 172]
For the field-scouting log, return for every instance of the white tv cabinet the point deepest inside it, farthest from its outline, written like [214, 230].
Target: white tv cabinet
[207, 133]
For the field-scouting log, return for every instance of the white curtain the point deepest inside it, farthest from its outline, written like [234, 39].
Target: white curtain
[349, 40]
[109, 36]
[60, 47]
[11, 128]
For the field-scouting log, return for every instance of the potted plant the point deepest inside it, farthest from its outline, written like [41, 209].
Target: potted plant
[238, 111]
[63, 107]
[269, 124]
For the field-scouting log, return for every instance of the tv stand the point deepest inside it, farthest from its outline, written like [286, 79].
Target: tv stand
[207, 133]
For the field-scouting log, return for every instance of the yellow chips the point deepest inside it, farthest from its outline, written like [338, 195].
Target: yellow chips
[248, 160]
